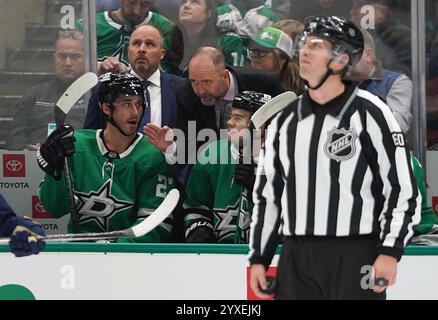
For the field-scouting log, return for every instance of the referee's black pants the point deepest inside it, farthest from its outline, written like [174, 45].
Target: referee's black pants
[326, 268]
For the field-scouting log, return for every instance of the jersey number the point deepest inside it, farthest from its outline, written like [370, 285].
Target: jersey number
[162, 186]
[399, 139]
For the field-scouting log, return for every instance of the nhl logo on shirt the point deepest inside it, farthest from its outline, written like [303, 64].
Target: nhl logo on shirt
[340, 144]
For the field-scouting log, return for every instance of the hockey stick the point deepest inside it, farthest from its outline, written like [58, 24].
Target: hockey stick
[272, 107]
[258, 119]
[63, 106]
[153, 220]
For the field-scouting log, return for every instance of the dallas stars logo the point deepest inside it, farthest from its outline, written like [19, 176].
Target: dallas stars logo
[100, 206]
[226, 221]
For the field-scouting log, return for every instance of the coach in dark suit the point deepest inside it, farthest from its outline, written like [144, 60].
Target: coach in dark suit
[145, 53]
[205, 98]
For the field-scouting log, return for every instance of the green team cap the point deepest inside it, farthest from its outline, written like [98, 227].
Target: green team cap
[274, 38]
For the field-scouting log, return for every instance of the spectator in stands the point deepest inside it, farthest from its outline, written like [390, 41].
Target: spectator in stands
[299, 10]
[34, 117]
[392, 38]
[245, 18]
[197, 23]
[393, 87]
[113, 29]
[107, 5]
[272, 50]
[291, 27]
[145, 52]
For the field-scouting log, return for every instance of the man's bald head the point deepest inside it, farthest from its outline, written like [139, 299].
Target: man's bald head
[210, 54]
[145, 50]
[207, 73]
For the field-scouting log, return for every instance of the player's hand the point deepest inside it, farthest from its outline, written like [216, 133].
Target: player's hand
[201, 235]
[244, 173]
[385, 267]
[161, 138]
[51, 154]
[26, 236]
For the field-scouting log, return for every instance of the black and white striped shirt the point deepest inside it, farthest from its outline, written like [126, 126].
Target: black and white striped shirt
[338, 170]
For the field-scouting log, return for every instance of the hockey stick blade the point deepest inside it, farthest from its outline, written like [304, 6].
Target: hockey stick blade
[73, 93]
[272, 107]
[155, 218]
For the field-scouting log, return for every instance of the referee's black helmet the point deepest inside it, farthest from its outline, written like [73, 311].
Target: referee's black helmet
[344, 35]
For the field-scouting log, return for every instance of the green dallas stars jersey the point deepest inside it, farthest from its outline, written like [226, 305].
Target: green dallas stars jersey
[112, 42]
[233, 48]
[213, 199]
[229, 24]
[428, 218]
[112, 193]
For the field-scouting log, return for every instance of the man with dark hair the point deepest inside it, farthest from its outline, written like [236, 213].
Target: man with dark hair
[118, 177]
[335, 181]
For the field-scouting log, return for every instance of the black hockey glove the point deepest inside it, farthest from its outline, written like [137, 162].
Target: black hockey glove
[244, 173]
[201, 235]
[59, 144]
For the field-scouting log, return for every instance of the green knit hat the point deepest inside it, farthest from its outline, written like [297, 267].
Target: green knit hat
[274, 38]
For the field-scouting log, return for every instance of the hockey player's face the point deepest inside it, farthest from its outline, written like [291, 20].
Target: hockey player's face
[127, 113]
[315, 55]
[208, 83]
[193, 12]
[145, 51]
[238, 122]
[135, 11]
[69, 59]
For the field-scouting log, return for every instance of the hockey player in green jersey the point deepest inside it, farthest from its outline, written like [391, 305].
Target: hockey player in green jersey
[118, 177]
[220, 184]
[113, 29]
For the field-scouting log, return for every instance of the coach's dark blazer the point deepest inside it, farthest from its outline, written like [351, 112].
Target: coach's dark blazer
[95, 119]
[190, 107]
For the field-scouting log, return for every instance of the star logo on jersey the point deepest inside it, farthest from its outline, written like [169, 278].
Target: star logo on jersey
[226, 221]
[340, 144]
[100, 206]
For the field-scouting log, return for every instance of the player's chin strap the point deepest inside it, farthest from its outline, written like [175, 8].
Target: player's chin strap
[111, 120]
[326, 76]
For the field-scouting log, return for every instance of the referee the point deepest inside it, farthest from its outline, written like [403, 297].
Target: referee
[334, 181]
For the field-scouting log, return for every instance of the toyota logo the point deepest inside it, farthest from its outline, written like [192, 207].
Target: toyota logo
[39, 208]
[14, 165]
